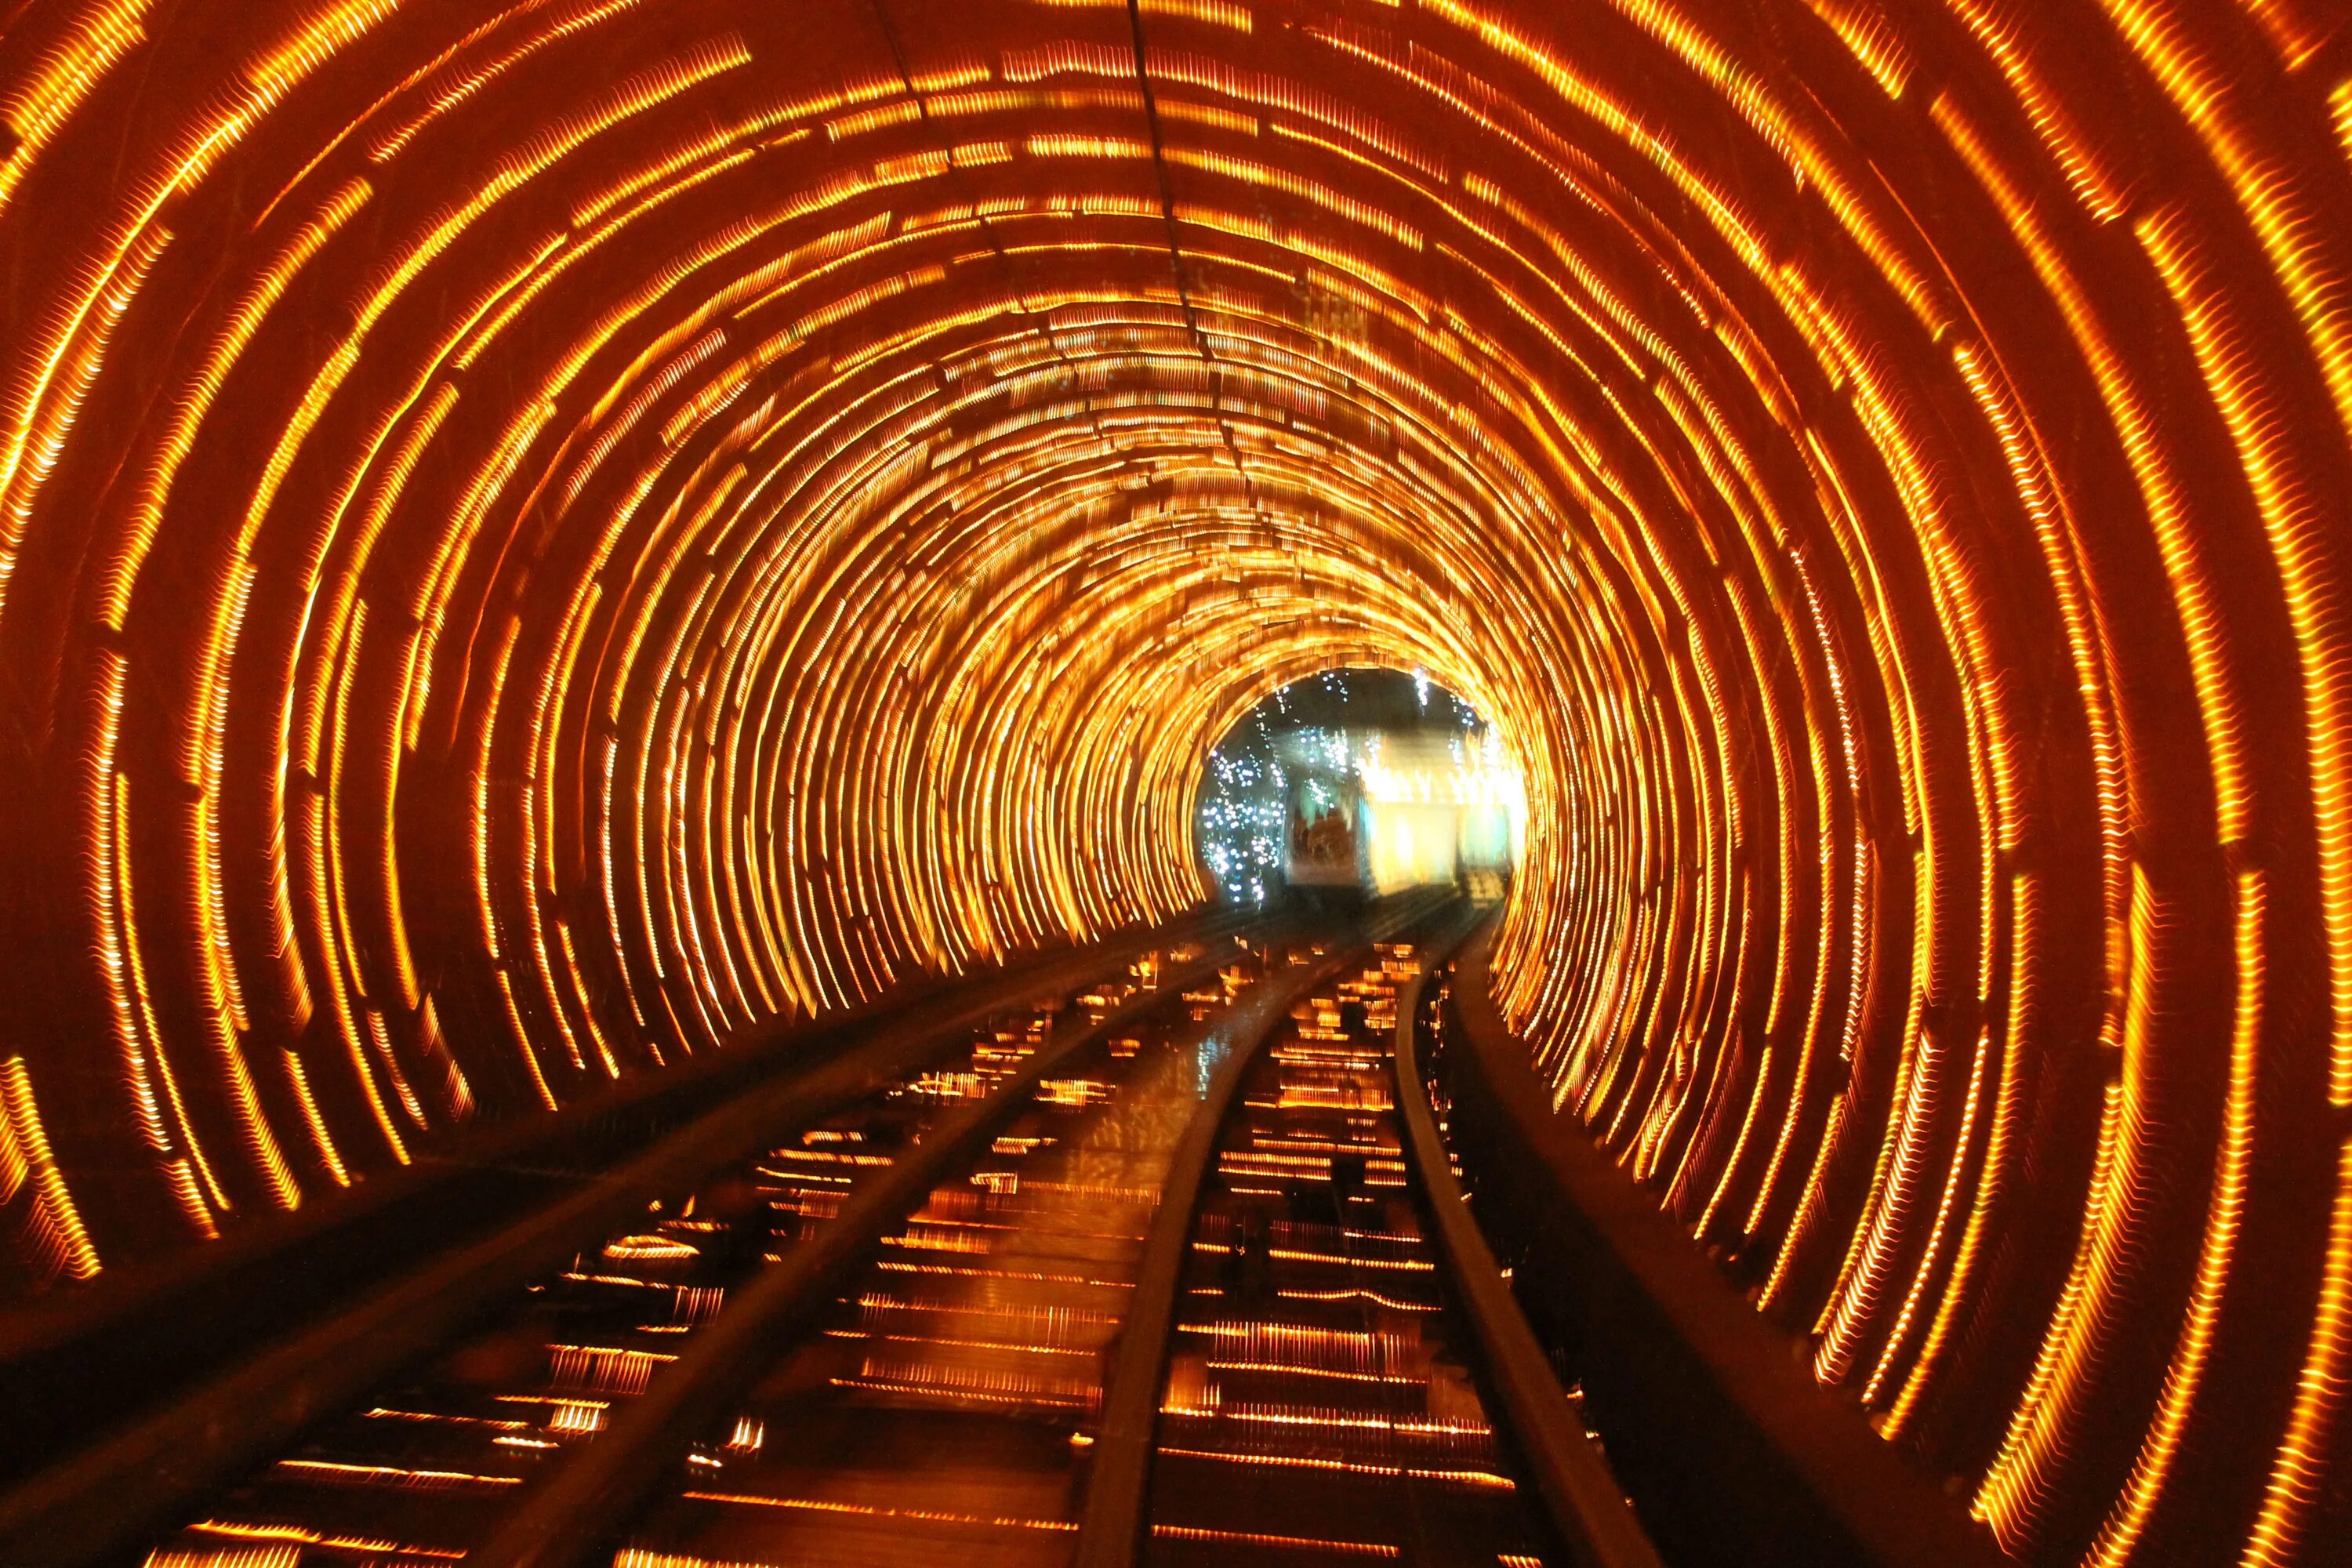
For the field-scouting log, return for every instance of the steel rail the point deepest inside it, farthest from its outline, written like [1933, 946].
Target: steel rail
[1586, 1507]
[94, 1357]
[98, 1503]
[97, 1359]
[1111, 1527]
[570, 1514]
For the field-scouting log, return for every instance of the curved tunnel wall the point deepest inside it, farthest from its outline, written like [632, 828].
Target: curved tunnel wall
[534, 536]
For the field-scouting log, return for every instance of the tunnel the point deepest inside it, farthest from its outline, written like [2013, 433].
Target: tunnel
[561, 554]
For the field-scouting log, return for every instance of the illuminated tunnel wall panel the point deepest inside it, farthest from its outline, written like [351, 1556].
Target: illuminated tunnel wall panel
[534, 537]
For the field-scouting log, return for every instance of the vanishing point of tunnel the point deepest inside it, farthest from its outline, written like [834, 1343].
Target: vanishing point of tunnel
[1262, 782]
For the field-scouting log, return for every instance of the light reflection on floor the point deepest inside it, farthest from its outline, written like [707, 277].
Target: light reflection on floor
[1319, 1407]
[945, 1416]
[432, 1462]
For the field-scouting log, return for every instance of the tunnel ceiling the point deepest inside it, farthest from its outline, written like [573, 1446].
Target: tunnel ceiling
[534, 537]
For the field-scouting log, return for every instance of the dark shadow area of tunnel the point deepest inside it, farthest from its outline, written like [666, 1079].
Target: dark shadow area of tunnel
[1728, 1449]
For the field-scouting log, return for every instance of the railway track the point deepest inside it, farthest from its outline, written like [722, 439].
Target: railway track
[1147, 1271]
[157, 1388]
[1328, 1353]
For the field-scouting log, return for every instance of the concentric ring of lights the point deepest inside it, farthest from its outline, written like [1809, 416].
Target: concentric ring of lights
[534, 537]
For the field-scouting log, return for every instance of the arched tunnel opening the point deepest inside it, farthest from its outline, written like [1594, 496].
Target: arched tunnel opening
[1355, 782]
[592, 589]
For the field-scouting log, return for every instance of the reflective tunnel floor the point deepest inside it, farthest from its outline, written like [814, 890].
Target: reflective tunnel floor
[945, 1407]
[431, 1466]
[945, 1413]
[1317, 1406]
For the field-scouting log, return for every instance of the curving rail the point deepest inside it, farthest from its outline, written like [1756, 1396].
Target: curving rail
[1138, 1272]
[1572, 1477]
[957, 1311]
[573, 1184]
[1299, 1381]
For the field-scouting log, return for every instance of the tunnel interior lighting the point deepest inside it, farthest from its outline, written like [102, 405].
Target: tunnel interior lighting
[537, 536]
